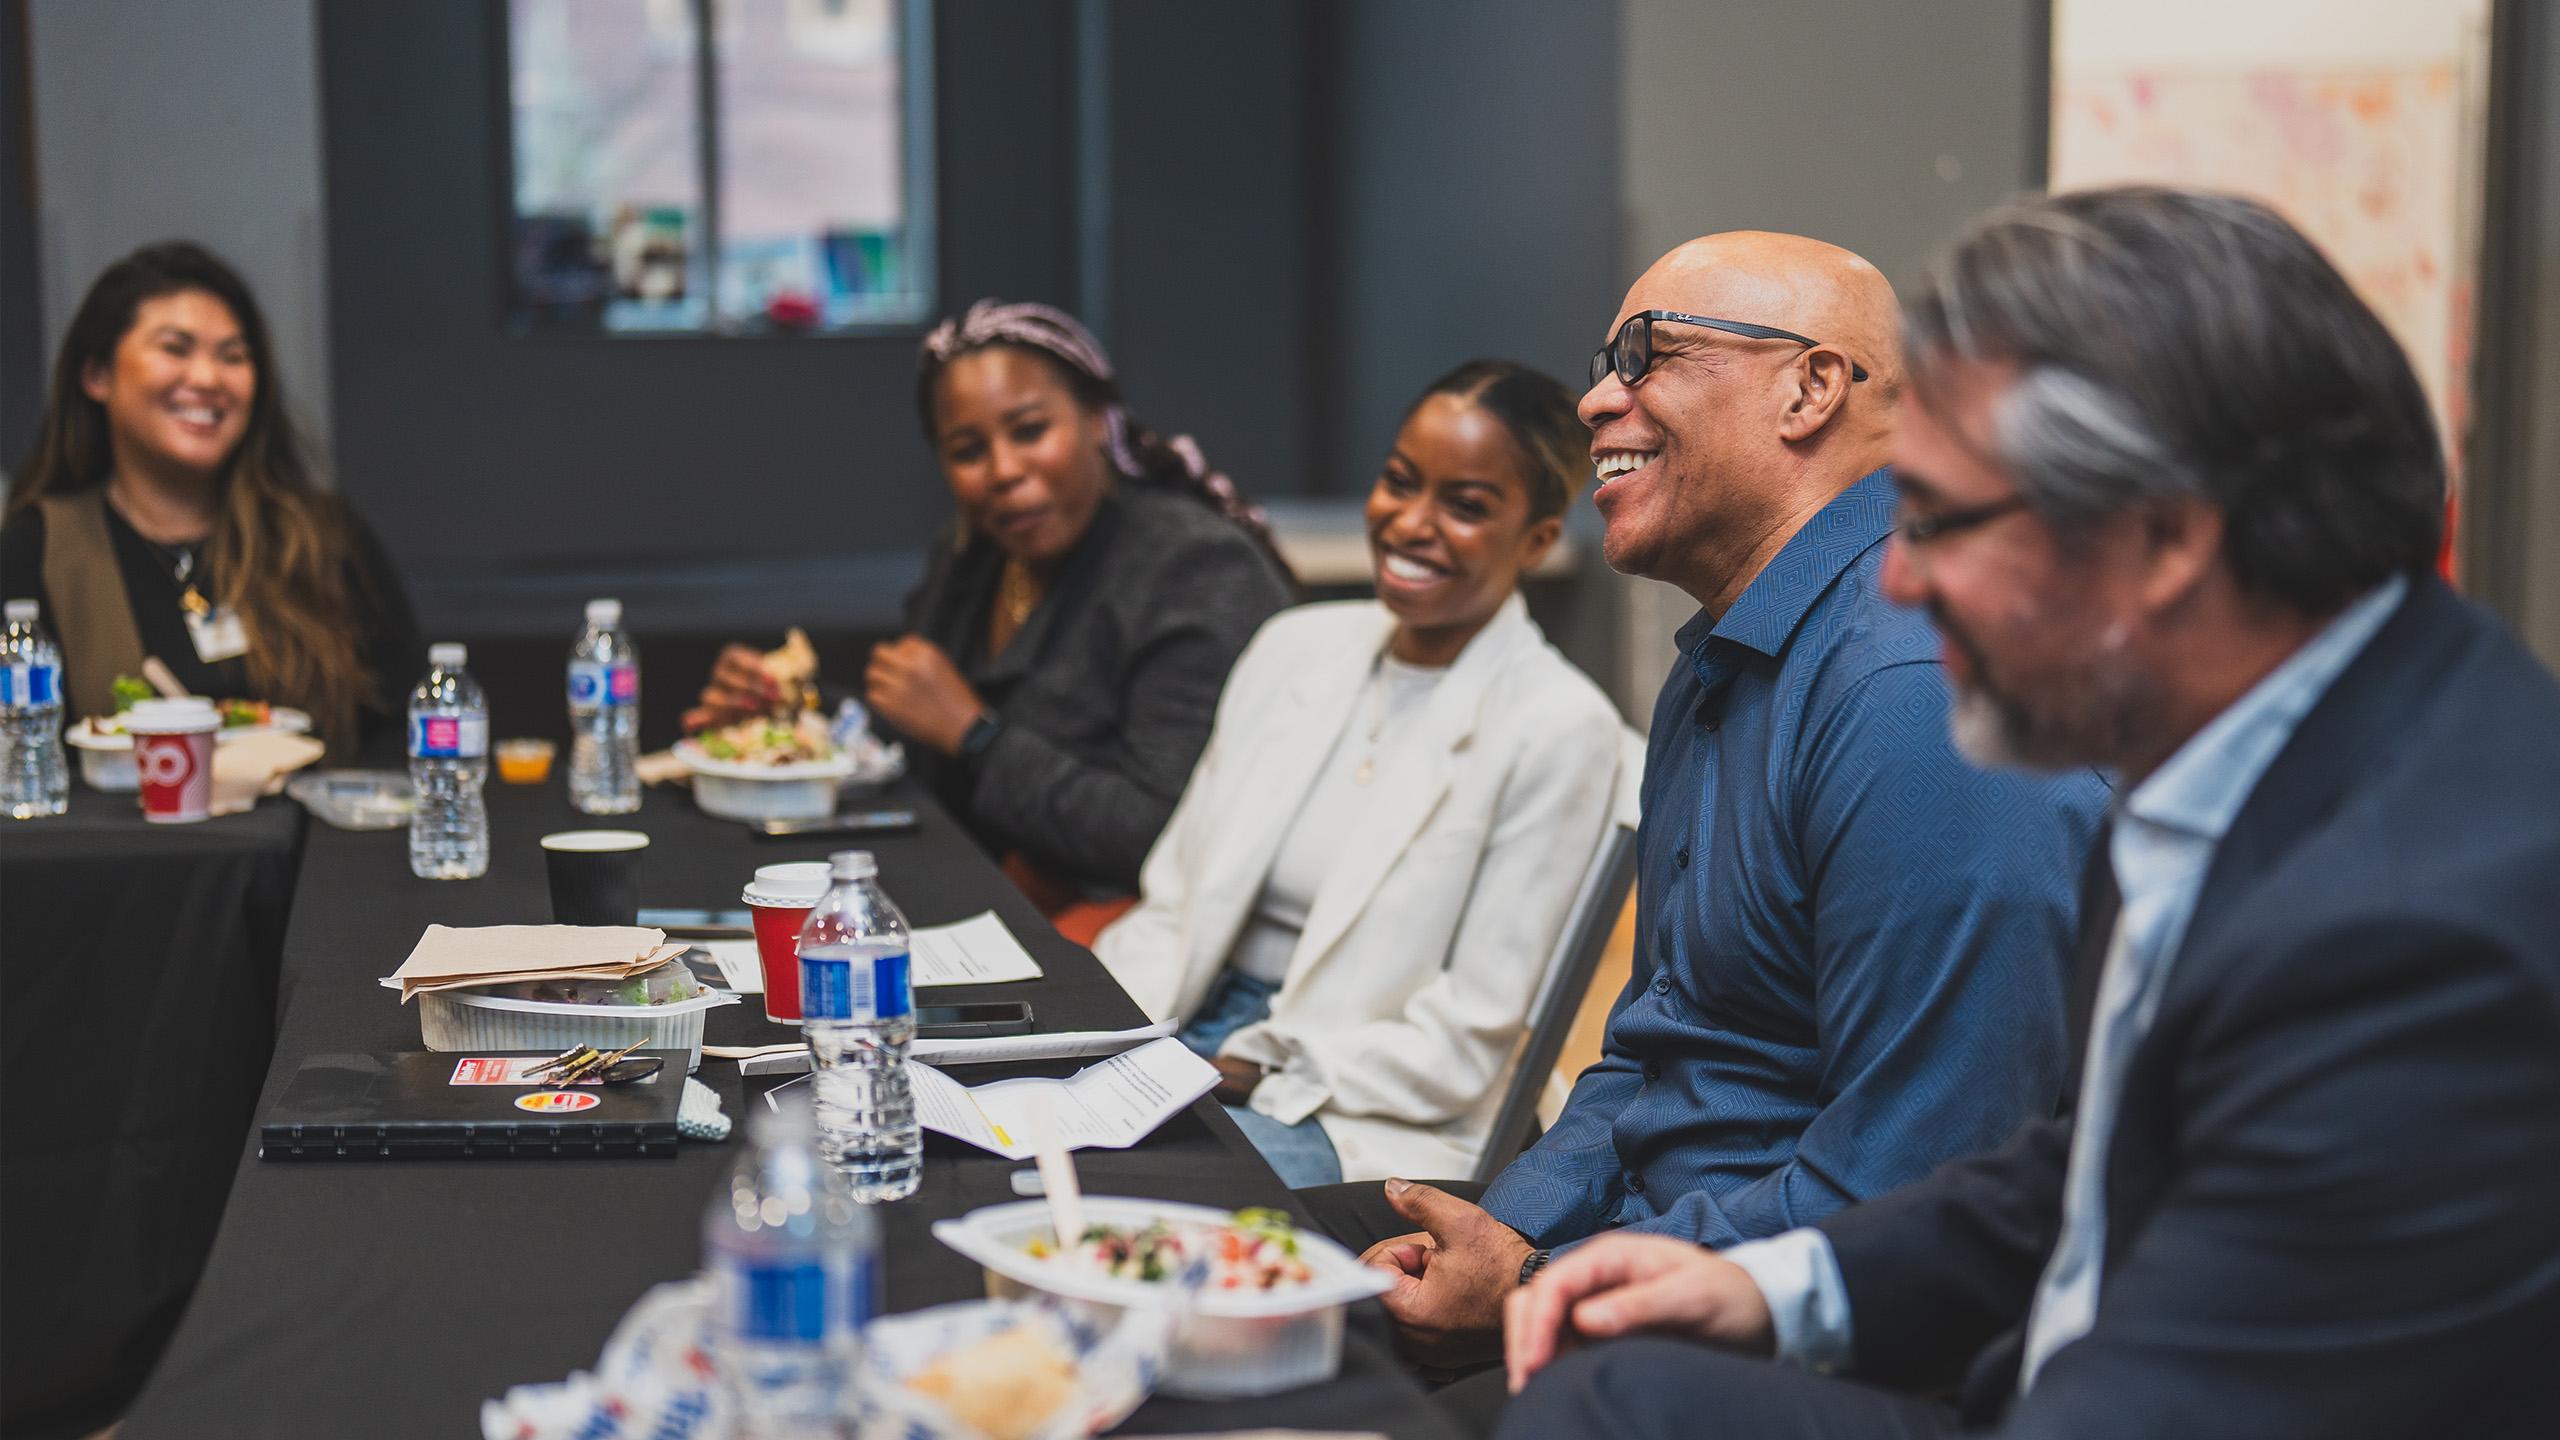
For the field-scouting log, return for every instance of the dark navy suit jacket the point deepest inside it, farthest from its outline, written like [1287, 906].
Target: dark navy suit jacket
[2333, 1197]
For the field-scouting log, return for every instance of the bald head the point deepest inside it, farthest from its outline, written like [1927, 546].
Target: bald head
[1809, 286]
[1727, 442]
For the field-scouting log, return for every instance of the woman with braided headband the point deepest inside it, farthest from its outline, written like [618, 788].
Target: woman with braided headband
[1065, 652]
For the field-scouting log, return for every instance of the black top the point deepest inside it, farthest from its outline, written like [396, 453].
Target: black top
[1108, 689]
[386, 630]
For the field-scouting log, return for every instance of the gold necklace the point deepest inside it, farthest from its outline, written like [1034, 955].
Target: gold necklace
[1368, 767]
[1017, 594]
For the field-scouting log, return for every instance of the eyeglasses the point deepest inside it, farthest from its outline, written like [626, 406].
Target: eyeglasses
[1919, 530]
[1630, 354]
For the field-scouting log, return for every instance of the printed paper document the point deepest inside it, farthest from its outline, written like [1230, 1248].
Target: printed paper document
[980, 950]
[1110, 1106]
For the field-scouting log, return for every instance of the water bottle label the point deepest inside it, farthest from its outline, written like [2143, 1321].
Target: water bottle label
[592, 682]
[790, 1302]
[448, 737]
[783, 1302]
[833, 987]
[862, 1298]
[30, 684]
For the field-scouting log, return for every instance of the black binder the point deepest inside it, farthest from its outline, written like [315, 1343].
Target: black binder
[418, 1106]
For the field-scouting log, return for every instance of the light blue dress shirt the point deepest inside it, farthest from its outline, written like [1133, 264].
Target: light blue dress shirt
[2163, 843]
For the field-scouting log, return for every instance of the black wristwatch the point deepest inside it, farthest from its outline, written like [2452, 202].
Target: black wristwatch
[1536, 1262]
[979, 738]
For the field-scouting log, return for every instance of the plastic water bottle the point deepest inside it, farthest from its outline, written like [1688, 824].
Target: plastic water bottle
[448, 763]
[795, 1274]
[604, 715]
[858, 1011]
[35, 775]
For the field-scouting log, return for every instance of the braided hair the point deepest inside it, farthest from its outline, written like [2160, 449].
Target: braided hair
[1138, 453]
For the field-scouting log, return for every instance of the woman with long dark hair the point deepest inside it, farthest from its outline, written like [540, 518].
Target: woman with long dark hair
[169, 510]
[1064, 655]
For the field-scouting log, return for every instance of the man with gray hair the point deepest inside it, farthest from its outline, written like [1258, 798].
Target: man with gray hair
[2172, 495]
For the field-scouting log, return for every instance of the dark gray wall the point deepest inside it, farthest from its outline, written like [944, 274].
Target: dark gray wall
[1283, 218]
[1468, 157]
[1881, 127]
[1202, 291]
[21, 316]
[157, 119]
[475, 451]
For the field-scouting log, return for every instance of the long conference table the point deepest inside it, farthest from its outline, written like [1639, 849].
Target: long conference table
[389, 1298]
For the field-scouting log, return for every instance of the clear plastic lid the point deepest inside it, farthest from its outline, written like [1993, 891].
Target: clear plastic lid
[604, 612]
[449, 655]
[853, 865]
[798, 883]
[20, 612]
[185, 716]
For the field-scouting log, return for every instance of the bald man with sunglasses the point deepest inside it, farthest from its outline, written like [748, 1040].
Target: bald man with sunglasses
[1850, 944]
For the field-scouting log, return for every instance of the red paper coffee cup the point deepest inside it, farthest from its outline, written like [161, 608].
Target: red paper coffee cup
[173, 756]
[780, 901]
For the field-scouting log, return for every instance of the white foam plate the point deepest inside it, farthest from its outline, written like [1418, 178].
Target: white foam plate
[1233, 1343]
[282, 720]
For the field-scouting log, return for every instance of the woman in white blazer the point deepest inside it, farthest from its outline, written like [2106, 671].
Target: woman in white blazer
[1360, 889]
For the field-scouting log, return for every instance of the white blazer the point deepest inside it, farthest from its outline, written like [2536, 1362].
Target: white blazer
[1411, 982]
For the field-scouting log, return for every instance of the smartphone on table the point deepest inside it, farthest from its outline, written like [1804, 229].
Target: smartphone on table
[973, 1022]
[862, 822]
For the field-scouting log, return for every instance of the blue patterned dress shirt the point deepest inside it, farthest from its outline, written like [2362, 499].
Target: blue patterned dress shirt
[1851, 944]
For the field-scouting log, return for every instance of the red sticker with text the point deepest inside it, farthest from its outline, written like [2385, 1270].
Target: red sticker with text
[556, 1102]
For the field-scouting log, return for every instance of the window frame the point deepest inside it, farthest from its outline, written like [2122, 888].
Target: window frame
[918, 136]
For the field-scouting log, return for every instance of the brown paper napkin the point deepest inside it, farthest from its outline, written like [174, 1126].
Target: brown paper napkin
[448, 957]
[661, 956]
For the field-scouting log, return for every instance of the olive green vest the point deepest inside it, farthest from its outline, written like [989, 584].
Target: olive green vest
[95, 620]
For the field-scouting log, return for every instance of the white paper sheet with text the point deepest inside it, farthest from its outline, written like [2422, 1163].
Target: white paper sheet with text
[980, 950]
[739, 966]
[977, 951]
[1110, 1106]
[791, 1059]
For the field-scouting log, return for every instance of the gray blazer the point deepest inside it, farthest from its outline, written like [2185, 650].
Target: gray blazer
[1108, 689]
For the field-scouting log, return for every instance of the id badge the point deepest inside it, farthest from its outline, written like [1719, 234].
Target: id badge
[218, 635]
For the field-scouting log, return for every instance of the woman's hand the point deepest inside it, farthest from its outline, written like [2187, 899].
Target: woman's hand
[1236, 1079]
[915, 687]
[738, 688]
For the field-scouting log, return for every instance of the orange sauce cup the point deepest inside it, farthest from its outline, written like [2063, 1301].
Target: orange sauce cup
[525, 762]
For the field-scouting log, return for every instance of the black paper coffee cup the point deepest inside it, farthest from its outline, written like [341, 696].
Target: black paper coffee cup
[595, 875]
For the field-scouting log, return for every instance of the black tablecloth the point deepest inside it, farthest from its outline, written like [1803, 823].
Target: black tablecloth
[389, 1299]
[138, 972]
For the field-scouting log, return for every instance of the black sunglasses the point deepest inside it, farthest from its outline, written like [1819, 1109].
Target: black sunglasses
[1630, 354]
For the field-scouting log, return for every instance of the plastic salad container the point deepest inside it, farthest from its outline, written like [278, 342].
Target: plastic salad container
[805, 790]
[106, 755]
[356, 799]
[607, 1014]
[1234, 1343]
